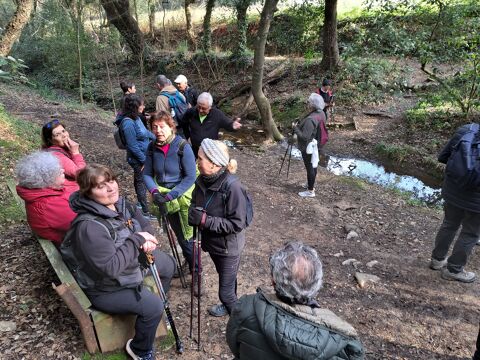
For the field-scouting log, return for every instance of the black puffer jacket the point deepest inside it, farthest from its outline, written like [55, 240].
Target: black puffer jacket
[452, 193]
[110, 263]
[224, 229]
[263, 327]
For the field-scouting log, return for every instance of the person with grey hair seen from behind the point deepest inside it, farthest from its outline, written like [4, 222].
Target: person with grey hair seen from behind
[41, 181]
[306, 130]
[204, 121]
[170, 100]
[290, 324]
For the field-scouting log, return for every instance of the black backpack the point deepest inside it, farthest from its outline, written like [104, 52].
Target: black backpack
[463, 165]
[224, 191]
[67, 248]
[118, 135]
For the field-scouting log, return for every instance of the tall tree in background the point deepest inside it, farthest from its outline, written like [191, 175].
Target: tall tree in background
[118, 14]
[207, 31]
[271, 131]
[241, 7]
[13, 30]
[188, 21]
[331, 56]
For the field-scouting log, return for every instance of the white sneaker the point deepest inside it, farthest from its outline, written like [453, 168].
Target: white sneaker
[307, 193]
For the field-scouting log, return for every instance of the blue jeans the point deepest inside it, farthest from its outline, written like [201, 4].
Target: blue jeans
[467, 238]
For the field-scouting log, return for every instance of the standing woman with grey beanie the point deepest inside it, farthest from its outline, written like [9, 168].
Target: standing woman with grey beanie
[219, 210]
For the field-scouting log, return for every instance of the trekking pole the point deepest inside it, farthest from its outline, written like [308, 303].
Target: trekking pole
[199, 282]
[193, 277]
[173, 246]
[284, 157]
[163, 297]
[197, 258]
[289, 160]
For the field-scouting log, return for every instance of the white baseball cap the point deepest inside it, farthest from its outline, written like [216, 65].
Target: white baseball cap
[181, 79]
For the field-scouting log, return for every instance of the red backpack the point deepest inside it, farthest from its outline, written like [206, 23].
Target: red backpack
[322, 132]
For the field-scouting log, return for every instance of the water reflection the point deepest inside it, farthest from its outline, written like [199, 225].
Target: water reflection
[376, 174]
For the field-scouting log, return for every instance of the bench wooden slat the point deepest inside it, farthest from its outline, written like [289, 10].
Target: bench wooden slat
[63, 272]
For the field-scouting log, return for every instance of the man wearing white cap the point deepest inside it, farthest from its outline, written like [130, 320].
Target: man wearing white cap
[190, 93]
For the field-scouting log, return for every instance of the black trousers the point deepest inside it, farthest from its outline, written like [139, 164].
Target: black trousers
[141, 302]
[227, 269]
[476, 356]
[139, 185]
[311, 171]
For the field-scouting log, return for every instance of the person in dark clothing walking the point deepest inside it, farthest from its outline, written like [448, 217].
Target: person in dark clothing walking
[106, 240]
[325, 91]
[306, 131]
[203, 122]
[220, 213]
[128, 87]
[189, 92]
[290, 324]
[461, 208]
[137, 138]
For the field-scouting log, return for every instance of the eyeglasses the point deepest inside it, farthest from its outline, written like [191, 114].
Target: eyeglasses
[50, 124]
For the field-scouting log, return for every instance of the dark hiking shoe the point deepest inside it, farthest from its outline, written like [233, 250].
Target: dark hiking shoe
[195, 287]
[462, 276]
[218, 310]
[148, 356]
[437, 264]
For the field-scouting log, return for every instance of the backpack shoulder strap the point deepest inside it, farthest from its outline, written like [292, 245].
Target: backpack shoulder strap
[181, 147]
[89, 217]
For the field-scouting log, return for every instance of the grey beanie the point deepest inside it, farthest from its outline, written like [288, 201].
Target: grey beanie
[214, 152]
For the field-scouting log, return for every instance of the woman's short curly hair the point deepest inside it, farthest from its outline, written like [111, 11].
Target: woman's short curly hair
[38, 170]
[297, 272]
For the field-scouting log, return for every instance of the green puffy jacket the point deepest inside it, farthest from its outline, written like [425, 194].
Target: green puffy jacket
[263, 327]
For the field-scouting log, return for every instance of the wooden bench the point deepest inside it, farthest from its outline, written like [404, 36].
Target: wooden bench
[100, 331]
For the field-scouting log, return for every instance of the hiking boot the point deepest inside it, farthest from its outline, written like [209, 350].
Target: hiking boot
[437, 264]
[307, 193]
[148, 356]
[218, 310]
[462, 276]
[195, 287]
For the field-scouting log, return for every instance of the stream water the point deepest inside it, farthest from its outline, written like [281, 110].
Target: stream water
[377, 174]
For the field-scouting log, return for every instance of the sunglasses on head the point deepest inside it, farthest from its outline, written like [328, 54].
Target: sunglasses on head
[50, 124]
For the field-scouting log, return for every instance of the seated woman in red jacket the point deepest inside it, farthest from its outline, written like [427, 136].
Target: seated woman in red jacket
[56, 139]
[41, 185]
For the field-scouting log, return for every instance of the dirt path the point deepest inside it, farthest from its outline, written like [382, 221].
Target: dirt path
[410, 314]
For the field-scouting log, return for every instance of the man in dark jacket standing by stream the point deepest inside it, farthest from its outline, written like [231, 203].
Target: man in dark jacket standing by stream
[461, 207]
[290, 324]
[204, 121]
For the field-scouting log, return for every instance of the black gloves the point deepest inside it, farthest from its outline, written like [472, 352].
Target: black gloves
[142, 260]
[197, 217]
[159, 199]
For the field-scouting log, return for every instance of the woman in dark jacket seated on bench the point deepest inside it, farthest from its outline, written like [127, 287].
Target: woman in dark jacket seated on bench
[41, 185]
[103, 248]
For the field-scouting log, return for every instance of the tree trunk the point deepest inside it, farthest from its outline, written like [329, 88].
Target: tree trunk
[241, 8]
[13, 30]
[125, 24]
[188, 21]
[331, 56]
[207, 31]
[78, 9]
[151, 17]
[271, 131]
